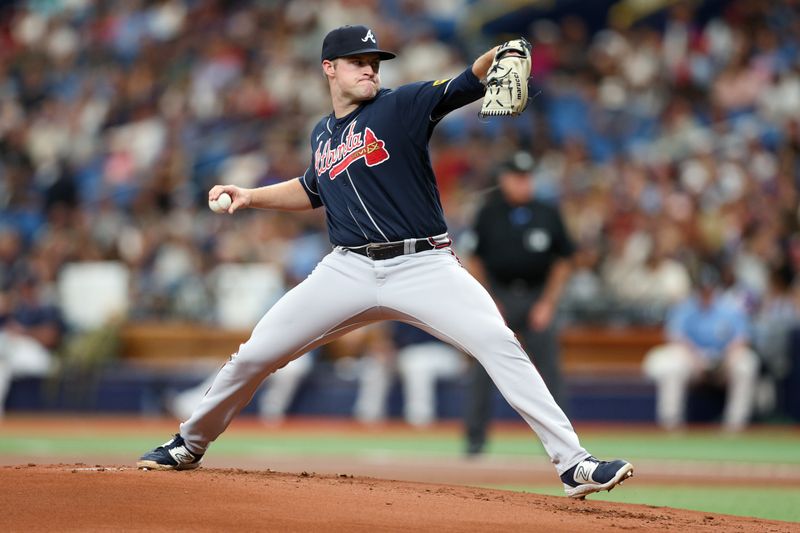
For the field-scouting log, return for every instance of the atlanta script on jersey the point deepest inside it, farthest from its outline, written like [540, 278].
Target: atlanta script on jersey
[374, 184]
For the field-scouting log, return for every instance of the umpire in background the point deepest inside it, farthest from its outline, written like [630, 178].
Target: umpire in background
[521, 252]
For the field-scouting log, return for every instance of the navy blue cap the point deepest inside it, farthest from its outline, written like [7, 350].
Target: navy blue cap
[350, 41]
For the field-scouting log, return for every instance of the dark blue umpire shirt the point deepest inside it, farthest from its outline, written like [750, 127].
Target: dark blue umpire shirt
[371, 169]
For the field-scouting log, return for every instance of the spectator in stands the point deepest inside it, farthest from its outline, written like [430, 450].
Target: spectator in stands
[420, 360]
[620, 258]
[30, 332]
[585, 298]
[777, 316]
[652, 286]
[12, 264]
[757, 256]
[522, 254]
[708, 340]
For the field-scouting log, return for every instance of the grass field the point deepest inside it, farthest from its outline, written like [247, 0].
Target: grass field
[766, 451]
[777, 503]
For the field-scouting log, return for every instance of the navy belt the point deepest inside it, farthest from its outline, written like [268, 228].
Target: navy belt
[389, 250]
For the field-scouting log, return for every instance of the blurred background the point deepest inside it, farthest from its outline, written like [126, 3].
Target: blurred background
[668, 133]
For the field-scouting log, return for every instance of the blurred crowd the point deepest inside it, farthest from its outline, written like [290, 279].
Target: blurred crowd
[665, 143]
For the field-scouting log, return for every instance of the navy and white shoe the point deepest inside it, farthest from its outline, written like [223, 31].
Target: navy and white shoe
[172, 455]
[591, 475]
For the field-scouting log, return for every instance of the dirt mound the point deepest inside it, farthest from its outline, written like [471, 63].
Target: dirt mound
[103, 497]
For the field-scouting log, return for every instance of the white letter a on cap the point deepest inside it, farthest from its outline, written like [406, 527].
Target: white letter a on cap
[369, 37]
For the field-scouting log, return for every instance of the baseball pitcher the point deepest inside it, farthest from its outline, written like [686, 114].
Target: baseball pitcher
[391, 259]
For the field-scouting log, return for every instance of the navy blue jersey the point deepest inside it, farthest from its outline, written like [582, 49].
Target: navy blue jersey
[371, 168]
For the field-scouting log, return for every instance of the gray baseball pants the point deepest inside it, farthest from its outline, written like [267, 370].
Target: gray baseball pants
[430, 290]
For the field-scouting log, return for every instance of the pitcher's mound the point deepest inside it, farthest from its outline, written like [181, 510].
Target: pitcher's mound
[103, 498]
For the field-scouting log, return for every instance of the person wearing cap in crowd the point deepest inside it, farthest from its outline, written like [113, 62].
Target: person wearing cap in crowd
[708, 339]
[520, 251]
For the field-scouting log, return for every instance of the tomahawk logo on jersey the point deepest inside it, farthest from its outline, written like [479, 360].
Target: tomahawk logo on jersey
[355, 146]
[374, 184]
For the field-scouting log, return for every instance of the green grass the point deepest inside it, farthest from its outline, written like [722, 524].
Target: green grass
[778, 447]
[761, 447]
[233, 444]
[778, 503]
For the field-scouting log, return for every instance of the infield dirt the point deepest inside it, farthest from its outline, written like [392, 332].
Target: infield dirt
[81, 497]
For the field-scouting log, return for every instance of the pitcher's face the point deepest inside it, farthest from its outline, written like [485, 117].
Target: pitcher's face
[355, 77]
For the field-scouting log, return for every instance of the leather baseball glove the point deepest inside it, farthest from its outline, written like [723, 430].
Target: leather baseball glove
[507, 80]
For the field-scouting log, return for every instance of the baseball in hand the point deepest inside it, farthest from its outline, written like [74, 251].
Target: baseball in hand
[221, 204]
